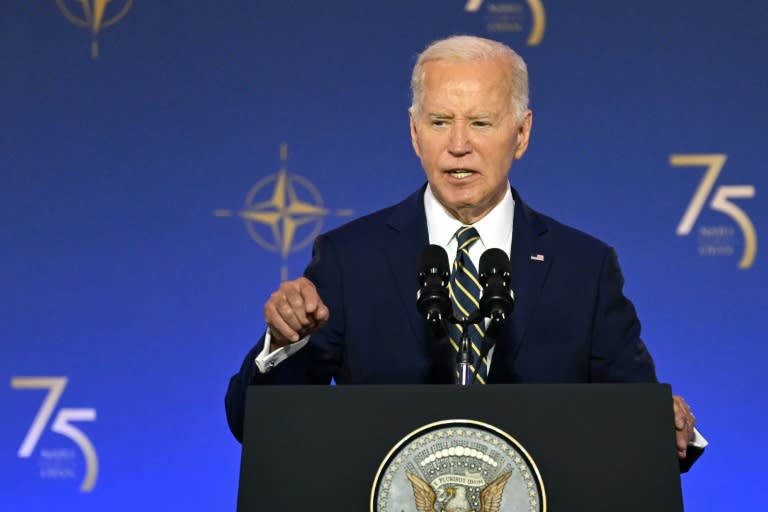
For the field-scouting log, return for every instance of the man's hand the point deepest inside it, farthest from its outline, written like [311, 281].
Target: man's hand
[684, 423]
[295, 310]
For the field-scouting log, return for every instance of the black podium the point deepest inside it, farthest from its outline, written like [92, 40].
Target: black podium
[598, 447]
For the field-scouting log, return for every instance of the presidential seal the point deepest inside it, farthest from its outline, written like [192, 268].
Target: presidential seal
[458, 466]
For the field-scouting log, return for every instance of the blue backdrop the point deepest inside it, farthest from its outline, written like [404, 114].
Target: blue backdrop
[164, 163]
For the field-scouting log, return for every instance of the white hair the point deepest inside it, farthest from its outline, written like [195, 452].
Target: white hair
[468, 49]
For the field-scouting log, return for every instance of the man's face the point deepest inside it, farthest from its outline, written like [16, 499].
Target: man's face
[466, 135]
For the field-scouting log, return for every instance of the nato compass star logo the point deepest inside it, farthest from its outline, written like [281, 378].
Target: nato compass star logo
[283, 212]
[94, 15]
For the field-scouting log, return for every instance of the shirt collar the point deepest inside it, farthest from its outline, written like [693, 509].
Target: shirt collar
[495, 229]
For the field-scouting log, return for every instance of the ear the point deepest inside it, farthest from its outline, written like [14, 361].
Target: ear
[524, 134]
[414, 132]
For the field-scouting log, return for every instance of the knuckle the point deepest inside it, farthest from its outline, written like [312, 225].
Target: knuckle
[285, 310]
[271, 311]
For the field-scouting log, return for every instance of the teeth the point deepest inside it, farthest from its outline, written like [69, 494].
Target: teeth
[460, 173]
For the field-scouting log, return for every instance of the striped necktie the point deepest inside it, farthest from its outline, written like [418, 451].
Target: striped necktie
[465, 293]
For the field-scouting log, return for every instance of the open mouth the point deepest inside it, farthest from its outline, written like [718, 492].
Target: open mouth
[460, 173]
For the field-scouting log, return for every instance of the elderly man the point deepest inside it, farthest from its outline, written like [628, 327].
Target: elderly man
[353, 316]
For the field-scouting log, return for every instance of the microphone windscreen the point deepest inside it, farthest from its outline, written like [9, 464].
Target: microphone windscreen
[433, 257]
[493, 261]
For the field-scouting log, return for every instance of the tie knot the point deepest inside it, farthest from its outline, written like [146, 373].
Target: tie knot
[466, 236]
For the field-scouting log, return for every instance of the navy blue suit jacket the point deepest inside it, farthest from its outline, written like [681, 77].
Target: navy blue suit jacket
[571, 321]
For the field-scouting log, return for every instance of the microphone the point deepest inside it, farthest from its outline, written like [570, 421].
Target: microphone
[432, 299]
[497, 300]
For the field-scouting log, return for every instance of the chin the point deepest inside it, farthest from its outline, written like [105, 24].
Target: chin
[457, 199]
[463, 201]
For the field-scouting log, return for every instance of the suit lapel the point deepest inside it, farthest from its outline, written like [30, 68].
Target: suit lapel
[406, 236]
[530, 260]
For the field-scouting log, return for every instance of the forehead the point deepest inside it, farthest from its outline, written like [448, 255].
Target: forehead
[483, 82]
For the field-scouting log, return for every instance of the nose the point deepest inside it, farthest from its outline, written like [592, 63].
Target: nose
[458, 144]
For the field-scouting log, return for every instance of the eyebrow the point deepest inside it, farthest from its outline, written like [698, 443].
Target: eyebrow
[442, 115]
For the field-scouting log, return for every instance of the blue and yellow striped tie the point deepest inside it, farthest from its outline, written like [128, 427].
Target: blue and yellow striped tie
[465, 293]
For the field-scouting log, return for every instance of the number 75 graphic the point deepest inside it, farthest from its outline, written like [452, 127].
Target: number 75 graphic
[720, 201]
[61, 424]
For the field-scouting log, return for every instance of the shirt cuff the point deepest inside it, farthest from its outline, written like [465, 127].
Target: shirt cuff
[698, 440]
[265, 361]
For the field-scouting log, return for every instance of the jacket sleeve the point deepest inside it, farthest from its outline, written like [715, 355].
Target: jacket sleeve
[317, 362]
[618, 354]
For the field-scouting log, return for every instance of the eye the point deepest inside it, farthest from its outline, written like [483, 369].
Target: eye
[481, 124]
[439, 123]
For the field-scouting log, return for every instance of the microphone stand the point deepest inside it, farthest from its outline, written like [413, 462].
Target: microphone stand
[464, 355]
[462, 358]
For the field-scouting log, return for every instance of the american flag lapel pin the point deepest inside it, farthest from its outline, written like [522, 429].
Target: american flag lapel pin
[537, 257]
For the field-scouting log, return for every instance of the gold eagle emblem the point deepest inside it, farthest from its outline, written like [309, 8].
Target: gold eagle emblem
[455, 498]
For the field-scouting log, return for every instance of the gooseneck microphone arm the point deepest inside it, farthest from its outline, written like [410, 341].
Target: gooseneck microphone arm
[465, 376]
